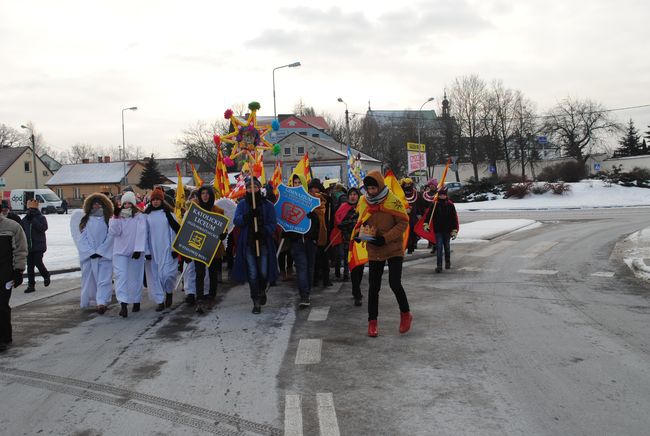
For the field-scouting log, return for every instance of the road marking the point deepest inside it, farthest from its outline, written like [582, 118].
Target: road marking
[329, 425]
[292, 415]
[318, 313]
[493, 249]
[308, 351]
[539, 248]
[544, 272]
[473, 269]
[603, 274]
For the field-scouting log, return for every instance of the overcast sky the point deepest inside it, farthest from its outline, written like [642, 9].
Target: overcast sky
[71, 66]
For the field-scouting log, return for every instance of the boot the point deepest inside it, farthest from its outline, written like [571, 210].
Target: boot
[438, 269]
[190, 299]
[200, 309]
[136, 307]
[101, 309]
[257, 309]
[357, 301]
[46, 281]
[160, 307]
[124, 311]
[373, 331]
[30, 288]
[169, 298]
[405, 319]
[447, 265]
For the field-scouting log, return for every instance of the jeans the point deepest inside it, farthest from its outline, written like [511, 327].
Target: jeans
[5, 315]
[257, 269]
[304, 257]
[35, 259]
[322, 267]
[442, 241]
[394, 281]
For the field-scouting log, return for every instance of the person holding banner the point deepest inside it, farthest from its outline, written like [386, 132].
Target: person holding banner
[385, 221]
[255, 261]
[346, 219]
[322, 262]
[445, 226]
[161, 266]
[129, 230]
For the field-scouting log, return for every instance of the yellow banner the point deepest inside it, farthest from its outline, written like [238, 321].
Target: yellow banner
[414, 146]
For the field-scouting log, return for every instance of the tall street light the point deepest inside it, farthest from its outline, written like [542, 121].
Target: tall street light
[347, 121]
[419, 127]
[134, 108]
[31, 131]
[293, 65]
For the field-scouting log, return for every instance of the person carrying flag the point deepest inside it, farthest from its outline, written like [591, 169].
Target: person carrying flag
[346, 219]
[445, 226]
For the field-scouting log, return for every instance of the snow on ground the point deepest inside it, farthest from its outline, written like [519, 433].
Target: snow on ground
[585, 194]
[61, 251]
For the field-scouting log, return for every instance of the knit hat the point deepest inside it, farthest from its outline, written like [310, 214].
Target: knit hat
[406, 181]
[157, 194]
[129, 197]
[370, 181]
[256, 182]
[354, 189]
[432, 182]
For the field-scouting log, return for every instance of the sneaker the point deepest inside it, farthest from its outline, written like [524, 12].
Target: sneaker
[304, 302]
[357, 302]
[46, 281]
[438, 269]
[136, 307]
[160, 307]
[190, 299]
[30, 289]
[257, 309]
[101, 309]
[169, 298]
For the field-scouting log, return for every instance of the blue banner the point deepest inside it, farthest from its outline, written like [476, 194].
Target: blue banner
[292, 208]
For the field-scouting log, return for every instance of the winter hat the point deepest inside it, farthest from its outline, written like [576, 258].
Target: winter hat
[432, 182]
[256, 182]
[157, 194]
[129, 197]
[370, 181]
[315, 183]
[406, 181]
[354, 189]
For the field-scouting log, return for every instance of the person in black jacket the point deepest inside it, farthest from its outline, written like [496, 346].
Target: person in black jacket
[35, 225]
[6, 211]
[445, 225]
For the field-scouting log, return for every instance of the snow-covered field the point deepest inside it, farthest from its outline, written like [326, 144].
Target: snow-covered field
[585, 194]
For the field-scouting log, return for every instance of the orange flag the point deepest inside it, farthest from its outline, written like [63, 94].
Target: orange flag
[240, 188]
[303, 168]
[276, 178]
[198, 181]
[221, 182]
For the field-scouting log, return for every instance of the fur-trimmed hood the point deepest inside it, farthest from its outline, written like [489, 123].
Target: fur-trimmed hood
[107, 206]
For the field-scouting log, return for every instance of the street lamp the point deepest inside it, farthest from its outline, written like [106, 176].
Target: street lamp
[419, 127]
[134, 108]
[31, 131]
[293, 65]
[347, 121]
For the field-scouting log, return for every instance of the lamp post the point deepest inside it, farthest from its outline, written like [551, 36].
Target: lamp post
[31, 131]
[419, 127]
[347, 121]
[134, 108]
[293, 65]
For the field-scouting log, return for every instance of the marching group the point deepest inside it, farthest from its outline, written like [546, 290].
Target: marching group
[126, 244]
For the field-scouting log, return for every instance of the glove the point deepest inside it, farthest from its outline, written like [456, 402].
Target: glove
[223, 236]
[136, 255]
[454, 233]
[95, 256]
[311, 215]
[146, 256]
[426, 227]
[378, 241]
[173, 253]
[17, 278]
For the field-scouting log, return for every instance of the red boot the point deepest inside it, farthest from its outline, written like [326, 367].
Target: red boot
[405, 322]
[372, 329]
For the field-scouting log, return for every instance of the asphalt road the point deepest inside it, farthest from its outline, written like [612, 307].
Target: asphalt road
[540, 332]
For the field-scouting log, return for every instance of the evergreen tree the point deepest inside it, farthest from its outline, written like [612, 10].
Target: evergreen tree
[630, 143]
[644, 147]
[151, 175]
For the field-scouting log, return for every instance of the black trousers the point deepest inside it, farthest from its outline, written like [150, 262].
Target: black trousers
[322, 267]
[394, 281]
[35, 259]
[356, 275]
[285, 261]
[5, 316]
[213, 273]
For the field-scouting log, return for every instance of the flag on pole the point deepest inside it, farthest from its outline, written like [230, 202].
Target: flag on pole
[357, 253]
[276, 178]
[240, 188]
[353, 171]
[258, 168]
[180, 195]
[198, 181]
[221, 182]
[303, 168]
[393, 184]
[427, 231]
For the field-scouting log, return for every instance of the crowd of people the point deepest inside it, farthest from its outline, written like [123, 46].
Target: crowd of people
[125, 244]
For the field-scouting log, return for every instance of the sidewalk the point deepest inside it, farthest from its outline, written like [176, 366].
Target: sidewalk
[635, 252]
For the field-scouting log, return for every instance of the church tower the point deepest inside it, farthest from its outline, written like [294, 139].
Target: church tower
[445, 106]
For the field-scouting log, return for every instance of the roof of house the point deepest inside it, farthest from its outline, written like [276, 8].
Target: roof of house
[9, 155]
[334, 146]
[91, 173]
[399, 115]
[299, 122]
[51, 163]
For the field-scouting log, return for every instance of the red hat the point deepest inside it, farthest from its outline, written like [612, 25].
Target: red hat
[157, 194]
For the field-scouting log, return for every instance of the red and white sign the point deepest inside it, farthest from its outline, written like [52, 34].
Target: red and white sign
[416, 161]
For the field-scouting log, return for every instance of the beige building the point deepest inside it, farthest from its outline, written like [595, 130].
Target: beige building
[76, 182]
[17, 169]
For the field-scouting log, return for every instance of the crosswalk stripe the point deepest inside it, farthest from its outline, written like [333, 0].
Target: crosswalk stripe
[327, 420]
[539, 248]
[308, 351]
[318, 313]
[292, 415]
[473, 269]
[545, 272]
[492, 249]
[603, 274]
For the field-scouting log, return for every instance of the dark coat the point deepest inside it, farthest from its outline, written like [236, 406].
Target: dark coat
[445, 218]
[35, 225]
[269, 224]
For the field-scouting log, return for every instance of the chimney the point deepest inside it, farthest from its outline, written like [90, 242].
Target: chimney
[107, 159]
[99, 159]
[85, 161]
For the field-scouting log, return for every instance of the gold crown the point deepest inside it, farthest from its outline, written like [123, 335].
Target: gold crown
[367, 230]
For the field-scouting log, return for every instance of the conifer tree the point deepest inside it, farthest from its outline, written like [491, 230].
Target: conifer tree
[630, 143]
[151, 175]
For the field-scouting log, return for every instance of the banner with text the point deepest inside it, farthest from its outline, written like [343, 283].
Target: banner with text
[198, 237]
[292, 208]
[417, 157]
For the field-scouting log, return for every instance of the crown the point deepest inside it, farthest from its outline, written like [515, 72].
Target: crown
[369, 231]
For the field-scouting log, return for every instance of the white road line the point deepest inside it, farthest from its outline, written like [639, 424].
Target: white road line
[308, 351]
[292, 415]
[318, 313]
[539, 248]
[492, 249]
[473, 269]
[544, 272]
[329, 425]
[603, 274]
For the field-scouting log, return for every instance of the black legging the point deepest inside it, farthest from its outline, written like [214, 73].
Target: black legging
[356, 275]
[35, 259]
[394, 281]
[213, 270]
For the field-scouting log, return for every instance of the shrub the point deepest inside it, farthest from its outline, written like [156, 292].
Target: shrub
[539, 189]
[558, 188]
[518, 190]
[566, 171]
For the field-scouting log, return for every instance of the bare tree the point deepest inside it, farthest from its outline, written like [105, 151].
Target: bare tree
[79, 152]
[301, 109]
[578, 126]
[196, 141]
[467, 93]
[524, 129]
[10, 137]
[504, 101]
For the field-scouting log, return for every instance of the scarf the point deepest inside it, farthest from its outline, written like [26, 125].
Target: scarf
[429, 197]
[97, 212]
[126, 213]
[377, 199]
[412, 196]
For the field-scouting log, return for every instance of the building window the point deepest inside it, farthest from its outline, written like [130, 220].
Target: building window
[287, 151]
[45, 173]
[28, 167]
[301, 151]
[315, 135]
[59, 192]
[76, 193]
[302, 133]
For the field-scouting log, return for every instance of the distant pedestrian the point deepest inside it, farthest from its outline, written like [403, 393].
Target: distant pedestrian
[35, 225]
[13, 255]
[64, 206]
[445, 227]
[6, 211]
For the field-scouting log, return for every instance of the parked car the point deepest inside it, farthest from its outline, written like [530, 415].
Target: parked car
[49, 202]
[453, 186]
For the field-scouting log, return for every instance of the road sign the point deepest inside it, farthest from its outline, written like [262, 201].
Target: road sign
[414, 146]
[542, 140]
[596, 167]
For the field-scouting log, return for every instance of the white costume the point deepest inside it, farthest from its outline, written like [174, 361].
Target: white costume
[129, 236]
[162, 269]
[189, 279]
